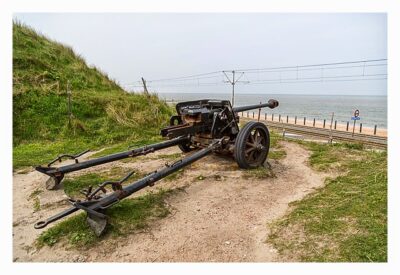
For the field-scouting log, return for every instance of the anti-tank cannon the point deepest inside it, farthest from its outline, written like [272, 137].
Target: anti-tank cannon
[203, 126]
[206, 120]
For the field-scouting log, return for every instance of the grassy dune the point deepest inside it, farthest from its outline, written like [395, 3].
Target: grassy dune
[103, 113]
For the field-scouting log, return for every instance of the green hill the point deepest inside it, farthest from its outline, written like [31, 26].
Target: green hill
[103, 114]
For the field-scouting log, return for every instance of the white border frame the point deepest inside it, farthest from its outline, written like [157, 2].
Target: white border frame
[8, 8]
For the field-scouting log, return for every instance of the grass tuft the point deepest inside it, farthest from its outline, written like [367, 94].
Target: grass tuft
[276, 151]
[175, 176]
[34, 196]
[73, 185]
[125, 217]
[258, 173]
[276, 154]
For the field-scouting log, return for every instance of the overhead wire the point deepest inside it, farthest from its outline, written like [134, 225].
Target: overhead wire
[196, 80]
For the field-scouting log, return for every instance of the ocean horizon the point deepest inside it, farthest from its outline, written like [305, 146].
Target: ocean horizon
[372, 108]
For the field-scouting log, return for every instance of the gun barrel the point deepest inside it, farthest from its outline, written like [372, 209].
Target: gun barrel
[272, 103]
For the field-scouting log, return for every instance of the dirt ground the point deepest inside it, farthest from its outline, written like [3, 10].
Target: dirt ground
[224, 220]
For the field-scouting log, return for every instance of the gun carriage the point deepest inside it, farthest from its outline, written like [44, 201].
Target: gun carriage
[201, 126]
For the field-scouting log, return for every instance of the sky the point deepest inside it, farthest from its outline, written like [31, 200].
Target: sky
[128, 46]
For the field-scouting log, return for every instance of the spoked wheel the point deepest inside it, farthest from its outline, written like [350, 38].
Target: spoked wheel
[252, 145]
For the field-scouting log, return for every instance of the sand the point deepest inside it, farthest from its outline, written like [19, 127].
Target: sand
[224, 220]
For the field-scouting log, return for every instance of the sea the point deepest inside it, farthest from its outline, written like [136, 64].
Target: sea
[372, 109]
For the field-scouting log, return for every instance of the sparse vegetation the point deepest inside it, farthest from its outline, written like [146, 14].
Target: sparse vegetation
[344, 221]
[34, 197]
[258, 173]
[176, 175]
[171, 157]
[73, 185]
[35, 193]
[36, 204]
[127, 216]
[276, 151]
[277, 154]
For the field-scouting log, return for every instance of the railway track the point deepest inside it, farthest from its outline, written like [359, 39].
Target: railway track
[322, 133]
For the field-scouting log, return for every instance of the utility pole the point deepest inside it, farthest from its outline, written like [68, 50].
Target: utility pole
[233, 87]
[233, 82]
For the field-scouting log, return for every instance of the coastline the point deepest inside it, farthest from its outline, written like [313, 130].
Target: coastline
[340, 126]
[382, 132]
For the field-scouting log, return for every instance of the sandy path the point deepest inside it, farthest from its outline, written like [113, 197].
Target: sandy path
[213, 220]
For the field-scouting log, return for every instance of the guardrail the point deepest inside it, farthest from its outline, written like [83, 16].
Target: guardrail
[322, 123]
[324, 133]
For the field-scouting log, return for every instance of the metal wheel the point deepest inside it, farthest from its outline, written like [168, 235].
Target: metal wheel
[252, 145]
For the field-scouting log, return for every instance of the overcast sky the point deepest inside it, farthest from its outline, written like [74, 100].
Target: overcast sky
[129, 46]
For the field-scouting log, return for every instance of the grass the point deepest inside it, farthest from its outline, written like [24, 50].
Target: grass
[258, 173]
[104, 115]
[36, 204]
[34, 153]
[336, 158]
[276, 152]
[171, 157]
[38, 141]
[34, 196]
[175, 176]
[42, 63]
[73, 185]
[345, 221]
[125, 217]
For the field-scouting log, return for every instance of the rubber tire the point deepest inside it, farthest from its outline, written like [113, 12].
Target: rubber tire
[240, 144]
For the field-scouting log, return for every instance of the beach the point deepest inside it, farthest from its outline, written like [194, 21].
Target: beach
[318, 123]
